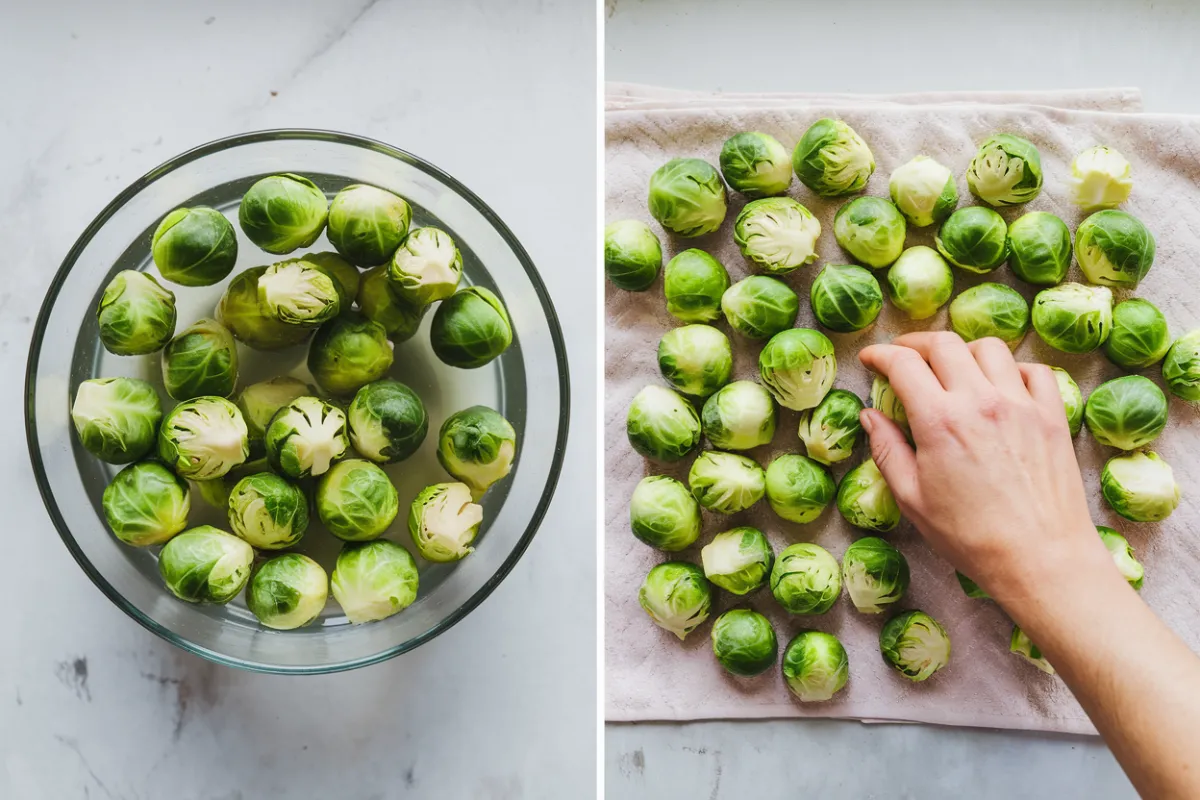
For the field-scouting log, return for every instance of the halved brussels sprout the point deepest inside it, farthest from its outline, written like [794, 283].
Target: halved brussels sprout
[116, 418]
[1114, 249]
[915, 644]
[778, 234]
[426, 267]
[920, 282]
[798, 488]
[387, 421]
[831, 431]
[1100, 178]
[194, 246]
[798, 367]
[990, 309]
[205, 565]
[663, 513]
[759, 307]
[845, 298]
[741, 415]
[676, 596]
[136, 315]
[726, 482]
[695, 359]
[743, 640]
[875, 574]
[470, 329]
[201, 361]
[687, 197]
[1021, 645]
[1181, 367]
[374, 580]
[832, 160]
[871, 230]
[806, 579]
[662, 425]
[973, 238]
[377, 301]
[477, 446]
[267, 511]
[1073, 317]
[632, 255]
[866, 501]
[971, 588]
[1140, 337]
[203, 438]
[367, 224]
[924, 191]
[1006, 171]
[305, 437]
[1126, 413]
[443, 522]
[288, 591]
[886, 402]
[281, 213]
[1119, 548]
[815, 666]
[356, 500]
[349, 352]
[260, 401]
[738, 560]
[239, 311]
[1039, 248]
[1072, 399]
[756, 164]
[693, 284]
[1140, 486]
[297, 292]
[146, 504]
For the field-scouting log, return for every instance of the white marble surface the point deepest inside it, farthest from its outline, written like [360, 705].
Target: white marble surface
[498, 93]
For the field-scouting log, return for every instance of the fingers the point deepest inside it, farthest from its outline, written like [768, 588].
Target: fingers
[893, 455]
[1043, 387]
[996, 362]
[905, 369]
[948, 356]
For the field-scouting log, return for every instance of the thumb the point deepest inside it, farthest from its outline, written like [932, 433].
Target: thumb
[893, 455]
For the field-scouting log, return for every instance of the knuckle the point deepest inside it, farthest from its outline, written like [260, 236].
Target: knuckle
[992, 406]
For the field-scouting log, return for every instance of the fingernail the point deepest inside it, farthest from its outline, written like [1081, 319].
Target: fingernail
[864, 417]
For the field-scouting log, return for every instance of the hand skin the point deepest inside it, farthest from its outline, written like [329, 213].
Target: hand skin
[994, 487]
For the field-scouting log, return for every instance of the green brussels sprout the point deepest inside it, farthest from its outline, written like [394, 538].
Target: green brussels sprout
[662, 425]
[1181, 367]
[1126, 413]
[663, 514]
[832, 160]
[695, 359]
[443, 522]
[349, 352]
[378, 302]
[687, 197]
[739, 416]
[259, 402]
[387, 421]
[806, 579]
[798, 367]
[694, 283]
[477, 447]
[367, 224]
[866, 501]
[267, 511]
[738, 560]
[970, 588]
[239, 311]
[1072, 399]
[426, 267]
[990, 309]
[920, 282]
[217, 491]
[1100, 178]
[1140, 337]
[845, 298]
[924, 191]
[136, 315]
[1114, 249]
[778, 234]
[1073, 317]
[282, 213]
[287, 592]
[344, 275]
[1021, 645]
[1007, 171]
[373, 580]
[146, 504]
[885, 401]
[915, 644]
[194, 246]
[871, 230]
[201, 361]
[305, 437]
[632, 255]
[1140, 486]
[756, 165]
[470, 329]
[205, 565]
[743, 640]
[798, 488]
[815, 666]
[1039, 248]
[356, 500]
[116, 418]
[759, 307]
[831, 431]
[973, 238]
[1130, 568]
[203, 438]
[297, 292]
[875, 574]
[676, 596]
[726, 482]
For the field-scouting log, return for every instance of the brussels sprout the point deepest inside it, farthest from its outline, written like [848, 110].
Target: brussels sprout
[871, 230]
[1114, 249]
[305, 437]
[116, 418]
[1140, 486]
[194, 246]
[426, 268]
[377, 301]
[990, 309]
[875, 574]
[287, 591]
[356, 500]
[282, 213]
[738, 560]
[798, 488]
[743, 640]
[1181, 367]
[798, 367]
[1100, 178]
[297, 292]
[756, 165]
[831, 431]
[443, 521]
[694, 283]
[1072, 399]
[1072, 317]
[806, 579]
[146, 504]
[845, 298]
[259, 402]
[349, 352]
[663, 513]
[885, 401]
[778, 234]
[832, 160]
[1129, 567]
[136, 315]
[866, 501]
[759, 307]
[739, 416]
[387, 421]
[970, 588]
[367, 224]
[1021, 645]
[267, 511]
[920, 282]
[676, 596]
[344, 275]
[924, 191]
[815, 666]
[1039, 247]
[1126, 413]
[217, 491]
[726, 482]
[239, 311]
[1006, 171]
[205, 565]
[695, 359]
[632, 255]
[973, 238]
[373, 580]
[470, 329]
[202, 360]
[662, 425]
[203, 438]
[1139, 337]
[477, 446]
[915, 644]
[687, 197]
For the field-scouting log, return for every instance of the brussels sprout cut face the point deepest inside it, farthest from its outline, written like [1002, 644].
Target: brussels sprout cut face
[1021, 645]
[1072, 399]
[687, 197]
[1129, 567]
[306, 437]
[204, 438]
[387, 421]
[806, 579]
[798, 367]
[146, 504]
[1100, 178]
[990, 309]
[1139, 337]
[831, 431]
[1006, 171]
[1039, 248]
[662, 425]
[973, 238]
[1140, 486]
[1181, 367]
[663, 514]
[470, 329]
[373, 580]
[116, 418]
[759, 307]
[739, 416]
[920, 282]
[845, 298]
[695, 359]
[356, 500]
[915, 644]
[744, 641]
[875, 574]
[1126, 413]
[477, 446]
[815, 666]
[378, 302]
[885, 401]
[426, 267]
[738, 560]
[832, 160]
[260, 401]
[205, 565]
[349, 352]
[239, 311]
[676, 596]
[798, 488]
[287, 591]
[756, 165]
[194, 246]
[778, 234]
[632, 255]
[282, 213]
[295, 292]
[136, 315]
[693, 284]
[1072, 317]
[924, 191]
[1114, 249]
[443, 521]
[367, 224]
[725, 482]
[866, 501]
[871, 230]
[201, 360]
[267, 511]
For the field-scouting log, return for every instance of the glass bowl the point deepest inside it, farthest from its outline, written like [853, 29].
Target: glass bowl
[528, 384]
